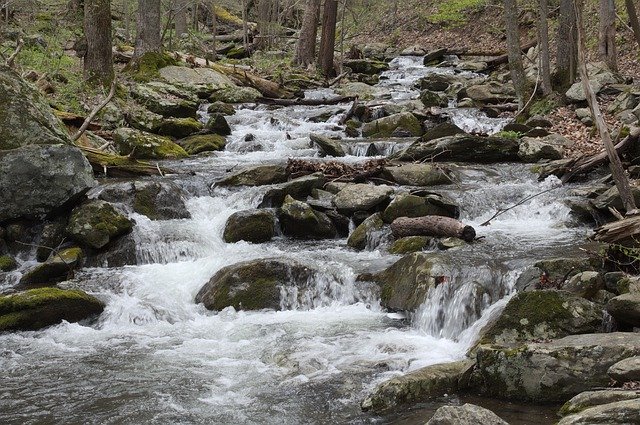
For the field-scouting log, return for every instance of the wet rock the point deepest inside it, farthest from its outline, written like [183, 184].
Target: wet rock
[441, 130]
[253, 285]
[541, 315]
[585, 284]
[627, 370]
[362, 90]
[361, 235]
[361, 197]
[235, 95]
[202, 81]
[7, 263]
[467, 414]
[451, 243]
[552, 371]
[139, 144]
[434, 56]
[411, 244]
[388, 126]
[299, 220]
[366, 66]
[625, 308]
[55, 269]
[165, 99]
[430, 99]
[611, 198]
[217, 124]
[464, 148]
[38, 308]
[539, 121]
[96, 223]
[37, 180]
[299, 188]
[417, 175]
[327, 146]
[405, 205]
[25, 116]
[158, 200]
[221, 108]
[620, 412]
[178, 127]
[256, 176]
[556, 269]
[256, 226]
[533, 149]
[200, 143]
[492, 92]
[406, 283]
[589, 399]
[121, 252]
[420, 385]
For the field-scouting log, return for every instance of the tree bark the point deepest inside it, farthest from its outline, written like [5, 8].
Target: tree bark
[432, 225]
[148, 37]
[543, 37]
[633, 19]
[328, 40]
[513, 48]
[621, 180]
[306, 46]
[98, 61]
[567, 52]
[607, 39]
[180, 17]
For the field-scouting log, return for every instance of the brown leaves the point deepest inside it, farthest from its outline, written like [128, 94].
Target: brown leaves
[335, 170]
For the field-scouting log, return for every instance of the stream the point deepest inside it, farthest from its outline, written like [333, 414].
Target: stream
[154, 356]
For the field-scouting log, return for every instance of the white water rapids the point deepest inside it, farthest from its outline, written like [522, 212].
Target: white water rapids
[155, 356]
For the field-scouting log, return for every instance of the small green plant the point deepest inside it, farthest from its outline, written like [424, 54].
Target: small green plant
[509, 134]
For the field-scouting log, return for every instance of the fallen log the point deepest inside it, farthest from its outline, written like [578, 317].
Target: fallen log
[492, 63]
[119, 166]
[305, 102]
[432, 225]
[350, 113]
[624, 232]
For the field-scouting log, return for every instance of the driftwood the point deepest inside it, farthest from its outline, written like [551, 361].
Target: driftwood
[621, 232]
[432, 225]
[492, 63]
[119, 166]
[336, 171]
[305, 102]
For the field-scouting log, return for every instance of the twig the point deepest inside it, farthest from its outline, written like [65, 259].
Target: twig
[522, 201]
[95, 111]
[12, 58]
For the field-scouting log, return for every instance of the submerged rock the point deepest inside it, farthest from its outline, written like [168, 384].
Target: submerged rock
[253, 285]
[96, 223]
[37, 308]
[299, 220]
[361, 235]
[467, 414]
[420, 385]
[256, 226]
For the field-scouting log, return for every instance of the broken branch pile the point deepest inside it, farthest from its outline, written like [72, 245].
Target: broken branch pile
[336, 171]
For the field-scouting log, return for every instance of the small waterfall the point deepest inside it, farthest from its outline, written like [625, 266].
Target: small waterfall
[473, 120]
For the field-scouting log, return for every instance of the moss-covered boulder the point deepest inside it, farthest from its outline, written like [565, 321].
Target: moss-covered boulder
[147, 67]
[327, 146]
[221, 108]
[418, 175]
[256, 176]
[625, 309]
[178, 127]
[96, 223]
[406, 283]
[256, 226]
[201, 81]
[402, 124]
[217, 124]
[361, 197]
[406, 205]
[463, 148]
[366, 66]
[430, 98]
[253, 285]
[554, 371]
[361, 235]
[235, 95]
[56, 269]
[362, 90]
[411, 244]
[585, 284]
[166, 100]
[589, 399]
[37, 308]
[421, 385]
[141, 145]
[142, 119]
[7, 263]
[300, 221]
[200, 143]
[299, 188]
[556, 270]
[541, 315]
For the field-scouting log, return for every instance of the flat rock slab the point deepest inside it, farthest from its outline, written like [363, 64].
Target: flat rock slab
[626, 370]
[467, 414]
[621, 412]
[361, 197]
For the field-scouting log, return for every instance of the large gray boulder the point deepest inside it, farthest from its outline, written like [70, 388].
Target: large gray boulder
[417, 175]
[589, 399]
[467, 414]
[420, 385]
[96, 223]
[256, 226]
[299, 188]
[624, 412]
[492, 92]
[403, 124]
[253, 285]
[533, 149]
[625, 308]
[256, 176]
[626, 370]
[300, 221]
[361, 197]
[202, 81]
[166, 99]
[36, 180]
[142, 145]
[549, 372]
[599, 77]
[462, 147]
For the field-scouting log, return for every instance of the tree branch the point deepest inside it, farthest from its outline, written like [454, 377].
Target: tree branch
[92, 115]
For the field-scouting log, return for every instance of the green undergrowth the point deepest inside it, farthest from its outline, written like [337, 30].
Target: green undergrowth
[454, 12]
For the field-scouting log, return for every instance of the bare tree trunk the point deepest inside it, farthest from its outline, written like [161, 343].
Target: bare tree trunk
[567, 53]
[543, 36]
[607, 41]
[306, 46]
[148, 37]
[98, 61]
[180, 17]
[214, 31]
[513, 48]
[328, 40]
[633, 19]
[245, 26]
[432, 225]
[620, 178]
[126, 13]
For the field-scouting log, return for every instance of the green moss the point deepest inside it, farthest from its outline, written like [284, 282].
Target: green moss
[203, 143]
[410, 244]
[7, 263]
[453, 12]
[96, 223]
[251, 226]
[146, 67]
[513, 135]
[543, 106]
[37, 297]
[179, 127]
[144, 202]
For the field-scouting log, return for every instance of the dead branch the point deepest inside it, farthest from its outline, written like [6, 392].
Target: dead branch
[517, 204]
[94, 112]
[350, 112]
[337, 171]
[12, 58]
[304, 102]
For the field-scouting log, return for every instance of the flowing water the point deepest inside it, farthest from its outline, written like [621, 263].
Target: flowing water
[154, 356]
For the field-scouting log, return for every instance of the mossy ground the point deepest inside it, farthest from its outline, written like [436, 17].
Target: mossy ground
[7, 263]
